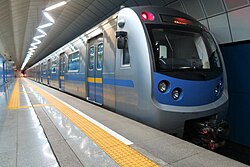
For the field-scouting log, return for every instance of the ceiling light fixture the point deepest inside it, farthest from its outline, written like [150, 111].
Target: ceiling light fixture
[29, 53]
[35, 43]
[38, 36]
[55, 6]
[47, 15]
[43, 33]
[45, 25]
[33, 47]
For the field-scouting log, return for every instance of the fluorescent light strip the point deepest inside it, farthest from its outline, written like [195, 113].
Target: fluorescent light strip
[33, 47]
[38, 36]
[49, 17]
[45, 25]
[35, 43]
[39, 28]
[41, 31]
[55, 6]
[31, 50]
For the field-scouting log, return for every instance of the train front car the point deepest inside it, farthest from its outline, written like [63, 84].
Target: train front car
[188, 84]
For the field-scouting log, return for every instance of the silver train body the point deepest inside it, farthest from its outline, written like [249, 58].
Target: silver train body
[118, 64]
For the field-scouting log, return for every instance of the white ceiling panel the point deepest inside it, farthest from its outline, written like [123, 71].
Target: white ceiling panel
[213, 7]
[240, 23]
[194, 8]
[219, 27]
[234, 4]
[177, 5]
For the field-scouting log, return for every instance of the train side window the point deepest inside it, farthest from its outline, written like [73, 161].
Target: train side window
[48, 67]
[44, 68]
[53, 67]
[91, 58]
[99, 56]
[125, 56]
[62, 65]
[73, 62]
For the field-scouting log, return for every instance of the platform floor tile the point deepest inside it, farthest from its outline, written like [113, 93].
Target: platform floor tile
[72, 126]
[41, 155]
[8, 159]
[22, 139]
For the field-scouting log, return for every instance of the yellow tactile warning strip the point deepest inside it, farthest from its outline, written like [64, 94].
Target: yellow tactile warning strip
[118, 151]
[25, 92]
[14, 102]
[36, 105]
[23, 107]
[41, 105]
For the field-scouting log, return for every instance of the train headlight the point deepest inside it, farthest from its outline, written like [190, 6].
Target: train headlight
[221, 85]
[163, 86]
[217, 90]
[176, 93]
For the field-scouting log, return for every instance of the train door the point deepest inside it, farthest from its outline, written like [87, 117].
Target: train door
[61, 71]
[42, 73]
[4, 72]
[95, 69]
[48, 72]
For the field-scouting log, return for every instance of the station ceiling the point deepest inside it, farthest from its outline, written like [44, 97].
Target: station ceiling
[19, 20]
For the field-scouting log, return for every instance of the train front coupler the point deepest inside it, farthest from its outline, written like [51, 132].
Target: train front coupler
[206, 132]
[212, 133]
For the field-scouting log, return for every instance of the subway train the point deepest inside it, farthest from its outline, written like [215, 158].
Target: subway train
[153, 64]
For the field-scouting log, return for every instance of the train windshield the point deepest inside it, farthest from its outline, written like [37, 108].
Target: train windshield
[183, 50]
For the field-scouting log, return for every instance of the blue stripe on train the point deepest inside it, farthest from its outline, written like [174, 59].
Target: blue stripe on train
[106, 81]
[118, 82]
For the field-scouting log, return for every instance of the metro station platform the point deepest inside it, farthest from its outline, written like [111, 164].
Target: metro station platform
[41, 126]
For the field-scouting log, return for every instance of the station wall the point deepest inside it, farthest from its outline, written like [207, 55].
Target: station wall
[237, 60]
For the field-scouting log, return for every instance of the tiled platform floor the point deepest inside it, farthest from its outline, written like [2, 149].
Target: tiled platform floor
[22, 139]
